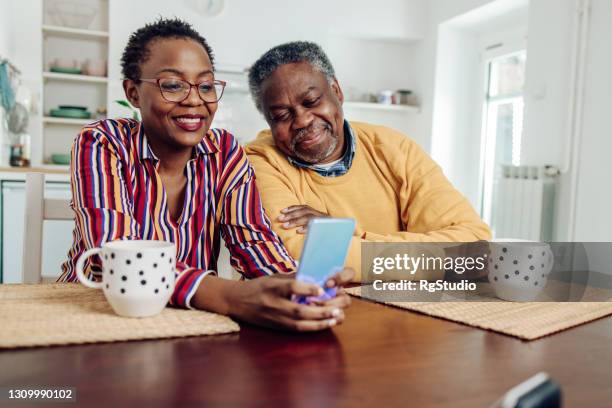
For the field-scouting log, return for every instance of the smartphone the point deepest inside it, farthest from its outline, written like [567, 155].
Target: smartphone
[539, 391]
[324, 253]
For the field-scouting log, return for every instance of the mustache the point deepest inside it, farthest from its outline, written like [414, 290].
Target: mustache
[304, 133]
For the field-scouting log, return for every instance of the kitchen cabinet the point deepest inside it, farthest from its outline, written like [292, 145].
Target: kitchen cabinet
[57, 235]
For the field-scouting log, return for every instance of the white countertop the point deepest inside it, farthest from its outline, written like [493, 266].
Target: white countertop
[52, 172]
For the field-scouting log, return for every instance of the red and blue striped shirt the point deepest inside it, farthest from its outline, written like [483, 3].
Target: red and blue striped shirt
[117, 193]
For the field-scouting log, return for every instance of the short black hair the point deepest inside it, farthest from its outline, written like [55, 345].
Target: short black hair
[136, 51]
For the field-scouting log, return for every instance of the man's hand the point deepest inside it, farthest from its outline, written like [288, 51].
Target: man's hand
[297, 216]
[267, 302]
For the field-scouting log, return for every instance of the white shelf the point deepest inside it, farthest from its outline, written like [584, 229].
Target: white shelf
[236, 89]
[67, 121]
[74, 77]
[56, 168]
[381, 106]
[74, 32]
[231, 69]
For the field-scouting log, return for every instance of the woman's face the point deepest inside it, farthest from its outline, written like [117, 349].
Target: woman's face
[174, 125]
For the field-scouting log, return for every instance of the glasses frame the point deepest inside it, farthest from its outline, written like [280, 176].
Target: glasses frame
[156, 81]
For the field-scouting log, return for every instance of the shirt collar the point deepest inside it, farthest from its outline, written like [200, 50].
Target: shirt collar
[340, 168]
[208, 144]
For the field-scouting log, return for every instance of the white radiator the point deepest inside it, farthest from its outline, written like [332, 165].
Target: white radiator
[523, 204]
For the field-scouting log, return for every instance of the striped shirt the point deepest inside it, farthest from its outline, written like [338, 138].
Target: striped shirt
[117, 193]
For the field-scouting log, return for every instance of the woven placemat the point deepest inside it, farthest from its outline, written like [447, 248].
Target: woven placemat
[525, 320]
[66, 313]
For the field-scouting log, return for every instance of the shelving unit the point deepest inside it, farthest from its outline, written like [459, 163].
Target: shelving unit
[380, 106]
[87, 40]
[71, 77]
[74, 32]
[52, 120]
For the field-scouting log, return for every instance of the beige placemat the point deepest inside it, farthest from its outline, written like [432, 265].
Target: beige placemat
[53, 314]
[525, 320]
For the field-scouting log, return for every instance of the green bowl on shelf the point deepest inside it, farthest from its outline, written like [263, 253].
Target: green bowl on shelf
[83, 108]
[72, 112]
[60, 158]
[65, 70]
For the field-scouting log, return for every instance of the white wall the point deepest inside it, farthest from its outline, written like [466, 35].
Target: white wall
[547, 92]
[455, 141]
[546, 82]
[5, 33]
[246, 29]
[594, 193]
[20, 28]
[458, 83]
[550, 54]
[425, 55]
[5, 52]
[369, 43]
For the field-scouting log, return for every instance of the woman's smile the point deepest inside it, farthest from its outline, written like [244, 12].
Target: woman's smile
[190, 123]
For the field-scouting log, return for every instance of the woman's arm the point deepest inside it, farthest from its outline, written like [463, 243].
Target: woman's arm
[102, 199]
[255, 249]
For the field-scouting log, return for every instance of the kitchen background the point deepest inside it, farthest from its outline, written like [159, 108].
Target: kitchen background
[499, 89]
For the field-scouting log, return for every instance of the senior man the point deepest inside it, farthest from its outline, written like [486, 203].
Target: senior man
[314, 163]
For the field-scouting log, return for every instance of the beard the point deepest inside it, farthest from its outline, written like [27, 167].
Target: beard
[320, 151]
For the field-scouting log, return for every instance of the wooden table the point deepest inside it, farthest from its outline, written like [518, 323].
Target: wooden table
[380, 357]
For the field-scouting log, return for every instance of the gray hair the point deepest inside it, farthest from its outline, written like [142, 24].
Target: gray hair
[297, 51]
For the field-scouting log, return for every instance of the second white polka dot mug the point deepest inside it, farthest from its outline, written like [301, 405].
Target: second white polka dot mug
[519, 269]
[137, 275]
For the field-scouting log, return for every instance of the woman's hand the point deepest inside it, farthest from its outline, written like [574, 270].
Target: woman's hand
[339, 280]
[267, 302]
[341, 300]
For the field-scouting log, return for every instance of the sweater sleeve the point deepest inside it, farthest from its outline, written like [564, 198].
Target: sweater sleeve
[432, 210]
[277, 193]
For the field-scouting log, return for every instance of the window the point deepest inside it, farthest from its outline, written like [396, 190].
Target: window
[503, 120]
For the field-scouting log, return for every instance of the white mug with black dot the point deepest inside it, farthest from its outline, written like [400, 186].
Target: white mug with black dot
[137, 275]
[519, 269]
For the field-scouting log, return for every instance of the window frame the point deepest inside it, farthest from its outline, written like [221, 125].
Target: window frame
[492, 50]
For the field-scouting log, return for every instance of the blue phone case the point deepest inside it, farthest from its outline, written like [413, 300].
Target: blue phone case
[324, 253]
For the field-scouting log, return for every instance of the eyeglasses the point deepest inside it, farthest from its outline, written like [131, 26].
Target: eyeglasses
[177, 90]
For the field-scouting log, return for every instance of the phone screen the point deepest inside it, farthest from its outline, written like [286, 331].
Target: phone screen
[325, 249]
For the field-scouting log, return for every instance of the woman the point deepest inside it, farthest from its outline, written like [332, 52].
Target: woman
[170, 177]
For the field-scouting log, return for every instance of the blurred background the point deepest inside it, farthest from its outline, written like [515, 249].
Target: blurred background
[510, 97]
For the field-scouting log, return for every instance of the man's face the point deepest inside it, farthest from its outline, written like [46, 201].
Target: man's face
[304, 112]
[174, 125]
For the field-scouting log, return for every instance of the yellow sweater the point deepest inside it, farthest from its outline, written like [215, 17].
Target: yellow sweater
[394, 191]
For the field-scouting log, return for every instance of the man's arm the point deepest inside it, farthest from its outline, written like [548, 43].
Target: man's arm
[432, 210]
[278, 193]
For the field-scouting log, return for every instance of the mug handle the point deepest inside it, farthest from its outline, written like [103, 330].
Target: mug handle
[551, 259]
[79, 269]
